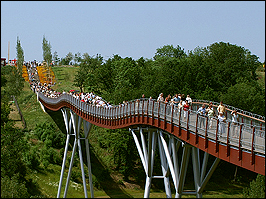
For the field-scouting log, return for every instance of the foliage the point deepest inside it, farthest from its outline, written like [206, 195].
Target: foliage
[69, 57]
[47, 53]
[85, 76]
[31, 158]
[12, 147]
[55, 58]
[5, 110]
[14, 82]
[48, 155]
[121, 145]
[256, 189]
[48, 134]
[169, 51]
[20, 56]
[210, 73]
[77, 58]
[247, 96]
[13, 187]
[13, 168]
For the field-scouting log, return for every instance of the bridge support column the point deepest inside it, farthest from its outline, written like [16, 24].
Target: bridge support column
[169, 162]
[75, 121]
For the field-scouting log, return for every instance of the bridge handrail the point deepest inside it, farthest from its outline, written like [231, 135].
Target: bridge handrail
[248, 137]
[230, 108]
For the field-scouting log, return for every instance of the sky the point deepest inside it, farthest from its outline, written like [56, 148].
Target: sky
[129, 28]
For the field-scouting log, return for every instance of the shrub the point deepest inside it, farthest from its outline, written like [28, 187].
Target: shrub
[256, 189]
[46, 132]
[13, 188]
[31, 158]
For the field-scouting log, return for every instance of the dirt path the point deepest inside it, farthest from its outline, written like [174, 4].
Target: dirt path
[14, 115]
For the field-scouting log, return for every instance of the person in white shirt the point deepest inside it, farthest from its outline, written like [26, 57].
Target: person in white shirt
[189, 100]
[221, 119]
[202, 112]
[234, 124]
[211, 113]
[160, 98]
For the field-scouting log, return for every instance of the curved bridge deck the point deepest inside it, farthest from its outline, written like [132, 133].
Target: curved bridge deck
[242, 144]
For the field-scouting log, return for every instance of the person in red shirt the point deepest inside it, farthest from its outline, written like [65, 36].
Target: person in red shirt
[186, 109]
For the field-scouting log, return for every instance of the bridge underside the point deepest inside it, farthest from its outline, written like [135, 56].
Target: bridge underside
[147, 139]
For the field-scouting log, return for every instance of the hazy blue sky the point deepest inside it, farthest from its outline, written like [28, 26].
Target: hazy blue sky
[129, 28]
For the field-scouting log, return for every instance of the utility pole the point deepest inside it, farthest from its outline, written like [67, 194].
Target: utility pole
[8, 52]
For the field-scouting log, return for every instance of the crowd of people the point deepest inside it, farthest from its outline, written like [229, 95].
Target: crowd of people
[177, 100]
[89, 97]
[221, 117]
[185, 103]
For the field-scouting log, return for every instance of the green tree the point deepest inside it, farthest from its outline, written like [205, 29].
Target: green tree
[85, 77]
[227, 63]
[81, 77]
[127, 78]
[12, 147]
[69, 57]
[20, 56]
[169, 51]
[256, 189]
[77, 58]
[47, 54]
[14, 82]
[13, 187]
[55, 58]
[246, 96]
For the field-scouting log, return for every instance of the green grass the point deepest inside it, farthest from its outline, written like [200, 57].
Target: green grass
[64, 78]
[48, 179]
[31, 109]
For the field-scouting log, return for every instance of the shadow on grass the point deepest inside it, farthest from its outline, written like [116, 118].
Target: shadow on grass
[104, 178]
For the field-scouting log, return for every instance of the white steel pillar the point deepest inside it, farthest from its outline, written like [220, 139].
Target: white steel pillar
[196, 170]
[67, 121]
[76, 121]
[146, 156]
[164, 155]
[169, 162]
[87, 128]
[183, 170]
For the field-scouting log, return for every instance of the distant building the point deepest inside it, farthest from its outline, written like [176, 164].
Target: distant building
[13, 62]
[3, 61]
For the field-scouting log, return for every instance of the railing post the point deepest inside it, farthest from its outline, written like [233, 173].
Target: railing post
[252, 146]
[130, 112]
[165, 116]
[159, 120]
[179, 132]
[188, 125]
[134, 111]
[142, 118]
[206, 132]
[227, 140]
[196, 131]
[239, 143]
[148, 111]
[216, 138]
[152, 113]
[172, 113]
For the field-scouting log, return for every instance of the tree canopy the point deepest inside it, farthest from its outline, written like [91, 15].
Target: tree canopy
[211, 73]
[47, 53]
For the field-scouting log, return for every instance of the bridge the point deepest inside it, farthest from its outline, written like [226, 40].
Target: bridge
[156, 124]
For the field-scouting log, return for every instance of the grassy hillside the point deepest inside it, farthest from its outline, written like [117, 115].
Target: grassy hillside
[107, 182]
